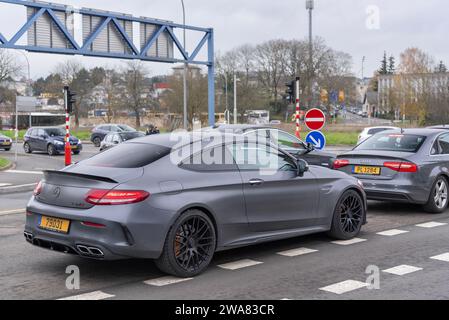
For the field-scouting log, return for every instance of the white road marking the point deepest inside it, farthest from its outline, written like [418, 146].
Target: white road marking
[345, 286]
[95, 295]
[296, 252]
[431, 224]
[5, 184]
[402, 270]
[24, 171]
[286, 299]
[19, 186]
[442, 257]
[349, 242]
[7, 212]
[239, 264]
[165, 281]
[392, 233]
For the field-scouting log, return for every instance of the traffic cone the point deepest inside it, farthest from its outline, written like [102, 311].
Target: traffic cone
[68, 153]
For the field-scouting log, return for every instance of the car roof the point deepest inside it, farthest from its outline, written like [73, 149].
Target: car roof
[176, 140]
[419, 131]
[239, 128]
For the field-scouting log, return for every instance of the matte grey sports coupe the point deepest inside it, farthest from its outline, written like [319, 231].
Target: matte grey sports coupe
[409, 165]
[178, 200]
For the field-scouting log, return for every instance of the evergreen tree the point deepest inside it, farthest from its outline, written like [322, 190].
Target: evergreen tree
[441, 67]
[384, 65]
[391, 65]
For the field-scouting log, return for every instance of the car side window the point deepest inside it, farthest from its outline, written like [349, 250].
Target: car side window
[40, 133]
[211, 159]
[441, 145]
[253, 156]
[115, 138]
[108, 138]
[285, 140]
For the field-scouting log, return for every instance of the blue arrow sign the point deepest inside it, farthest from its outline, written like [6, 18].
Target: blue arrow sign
[317, 138]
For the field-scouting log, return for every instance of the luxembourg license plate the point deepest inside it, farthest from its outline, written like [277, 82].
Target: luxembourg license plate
[371, 171]
[54, 224]
[7, 143]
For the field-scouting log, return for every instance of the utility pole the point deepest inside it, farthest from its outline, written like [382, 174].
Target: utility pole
[310, 5]
[185, 69]
[235, 98]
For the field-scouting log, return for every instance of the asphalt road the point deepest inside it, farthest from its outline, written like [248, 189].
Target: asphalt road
[27, 272]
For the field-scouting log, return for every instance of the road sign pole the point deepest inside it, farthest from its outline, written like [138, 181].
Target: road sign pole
[67, 149]
[298, 125]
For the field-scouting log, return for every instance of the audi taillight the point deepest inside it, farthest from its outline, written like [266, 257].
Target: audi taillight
[115, 197]
[340, 163]
[401, 166]
[38, 189]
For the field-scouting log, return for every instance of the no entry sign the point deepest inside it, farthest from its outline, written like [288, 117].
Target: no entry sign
[315, 119]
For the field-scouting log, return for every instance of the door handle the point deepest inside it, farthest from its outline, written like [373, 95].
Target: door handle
[256, 182]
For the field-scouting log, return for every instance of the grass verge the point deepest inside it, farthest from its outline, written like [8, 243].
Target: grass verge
[4, 163]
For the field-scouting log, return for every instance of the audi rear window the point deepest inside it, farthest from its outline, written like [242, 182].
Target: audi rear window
[128, 155]
[393, 142]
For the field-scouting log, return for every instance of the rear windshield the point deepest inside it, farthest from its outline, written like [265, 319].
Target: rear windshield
[128, 155]
[393, 142]
[131, 135]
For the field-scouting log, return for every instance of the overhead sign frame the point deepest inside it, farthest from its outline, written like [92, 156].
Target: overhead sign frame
[136, 52]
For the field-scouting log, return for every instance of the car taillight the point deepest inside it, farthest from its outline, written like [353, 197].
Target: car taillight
[115, 197]
[401, 166]
[38, 189]
[340, 163]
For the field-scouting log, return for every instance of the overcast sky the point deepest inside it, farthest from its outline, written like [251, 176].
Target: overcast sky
[359, 27]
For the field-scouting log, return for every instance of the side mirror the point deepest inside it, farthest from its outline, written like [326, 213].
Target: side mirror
[310, 146]
[301, 167]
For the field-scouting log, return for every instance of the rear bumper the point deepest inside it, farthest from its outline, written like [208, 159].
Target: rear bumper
[137, 231]
[396, 191]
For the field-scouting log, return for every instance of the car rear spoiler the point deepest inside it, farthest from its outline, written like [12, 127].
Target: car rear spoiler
[48, 173]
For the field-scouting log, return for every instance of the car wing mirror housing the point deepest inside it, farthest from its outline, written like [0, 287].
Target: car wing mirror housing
[301, 167]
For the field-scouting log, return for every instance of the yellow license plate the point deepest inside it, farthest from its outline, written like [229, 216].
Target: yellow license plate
[6, 143]
[72, 147]
[54, 224]
[374, 171]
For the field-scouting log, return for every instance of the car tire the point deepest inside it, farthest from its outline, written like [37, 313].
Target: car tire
[51, 150]
[27, 148]
[438, 192]
[349, 216]
[97, 142]
[7, 149]
[181, 245]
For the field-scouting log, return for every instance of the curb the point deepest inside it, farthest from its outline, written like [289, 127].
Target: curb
[11, 165]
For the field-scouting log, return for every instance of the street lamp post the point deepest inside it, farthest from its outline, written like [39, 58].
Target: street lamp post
[185, 68]
[235, 98]
[226, 98]
[310, 5]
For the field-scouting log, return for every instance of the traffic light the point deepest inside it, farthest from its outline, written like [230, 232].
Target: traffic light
[291, 92]
[69, 99]
[324, 96]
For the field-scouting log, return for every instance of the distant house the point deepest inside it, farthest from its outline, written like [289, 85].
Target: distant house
[159, 88]
[370, 104]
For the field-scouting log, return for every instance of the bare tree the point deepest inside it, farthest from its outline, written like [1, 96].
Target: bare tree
[9, 67]
[136, 91]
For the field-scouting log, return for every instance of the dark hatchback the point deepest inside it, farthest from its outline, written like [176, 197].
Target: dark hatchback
[99, 132]
[284, 140]
[50, 140]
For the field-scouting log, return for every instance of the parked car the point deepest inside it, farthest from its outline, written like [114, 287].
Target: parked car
[409, 165]
[441, 126]
[114, 138]
[284, 140]
[369, 132]
[99, 132]
[50, 140]
[158, 198]
[5, 142]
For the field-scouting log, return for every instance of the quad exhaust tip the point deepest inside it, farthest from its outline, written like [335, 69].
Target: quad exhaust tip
[90, 251]
[28, 236]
